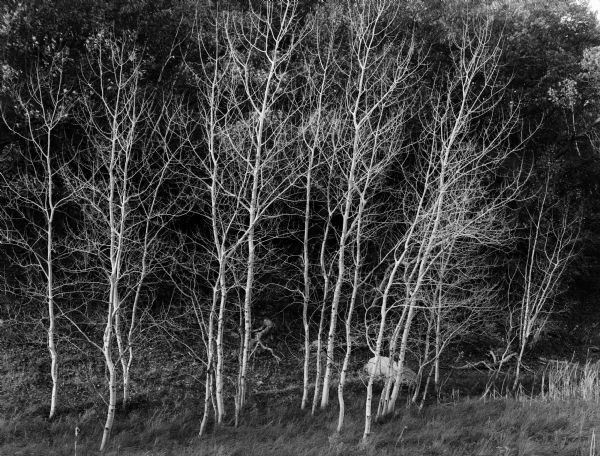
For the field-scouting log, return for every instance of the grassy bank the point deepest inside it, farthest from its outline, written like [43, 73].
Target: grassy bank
[505, 426]
[558, 415]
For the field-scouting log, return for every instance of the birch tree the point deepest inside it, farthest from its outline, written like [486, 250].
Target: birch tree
[312, 134]
[457, 298]
[32, 192]
[123, 184]
[450, 181]
[551, 246]
[375, 79]
[248, 129]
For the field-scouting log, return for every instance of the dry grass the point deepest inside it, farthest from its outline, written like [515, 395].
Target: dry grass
[561, 418]
[505, 426]
[563, 380]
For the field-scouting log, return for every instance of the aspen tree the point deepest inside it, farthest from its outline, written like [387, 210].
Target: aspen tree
[448, 184]
[247, 124]
[45, 101]
[376, 79]
[551, 246]
[121, 185]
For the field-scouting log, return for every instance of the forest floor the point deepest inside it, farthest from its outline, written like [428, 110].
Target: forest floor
[164, 414]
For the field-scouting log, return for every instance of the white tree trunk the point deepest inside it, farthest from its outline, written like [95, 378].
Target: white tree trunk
[209, 386]
[219, 392]
[51, 316]
[241, 393]
[337, 292]
[389, 282]
[107, 351]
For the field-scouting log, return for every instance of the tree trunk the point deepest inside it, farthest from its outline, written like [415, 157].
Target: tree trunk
[344, 371]
[306, 300]
[401, 359]
[52, 325]
[219, 343]
[378, 346]
[208, 386]
[337, 292]
[423, 363]
[438, 348]
[107, 351]
[53, 358]
[247, 323]
[318, 353]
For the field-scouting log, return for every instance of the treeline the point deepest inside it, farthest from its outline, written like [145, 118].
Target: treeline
[408, 174]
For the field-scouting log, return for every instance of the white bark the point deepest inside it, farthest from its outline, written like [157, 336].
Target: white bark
[119, 186]
[325, 275]
[551, 248]
[445, 198]
[312, 137]
[262, 99]
[247, 168]
[45, 102]
[376, 94]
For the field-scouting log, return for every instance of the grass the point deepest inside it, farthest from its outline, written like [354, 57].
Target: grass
[560, 415]
[505, 426]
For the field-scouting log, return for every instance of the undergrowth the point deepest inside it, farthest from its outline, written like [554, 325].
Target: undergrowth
[556, 413]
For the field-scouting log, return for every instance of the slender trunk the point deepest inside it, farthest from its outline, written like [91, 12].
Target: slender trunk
[113, 299]
[219, 344]
[247, 324]
[438, 349]
[378, 346]
[318, 366]
[518, 371]
[208, 386]
[401, 358]
[50, 280]
[52, 326]
[331, 335]
[53, 357]
[112, 398]
[369, 400]
[348, 323]
[423, 363]
[121, 349]
[325, 274]
[127, 354]
[306, 288]
[426, 387]
[220, 286]
[385, 393]
[422, 265]
[112, 381]
[337, 293]
[305, 375]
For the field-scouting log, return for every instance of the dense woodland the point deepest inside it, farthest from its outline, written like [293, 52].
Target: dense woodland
[405, 182]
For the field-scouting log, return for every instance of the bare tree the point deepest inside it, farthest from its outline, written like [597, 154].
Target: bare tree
[33, 195]
[325, 272]
[448, 194]
[248, 129]
[123, 184]
[375, 79]
[457, 299]
[318, 69]
[551, 246]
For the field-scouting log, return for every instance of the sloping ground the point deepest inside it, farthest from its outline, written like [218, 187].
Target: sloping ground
[470, 427]
[164, 415]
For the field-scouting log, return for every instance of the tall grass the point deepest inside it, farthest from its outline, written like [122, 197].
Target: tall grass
[564, 380]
